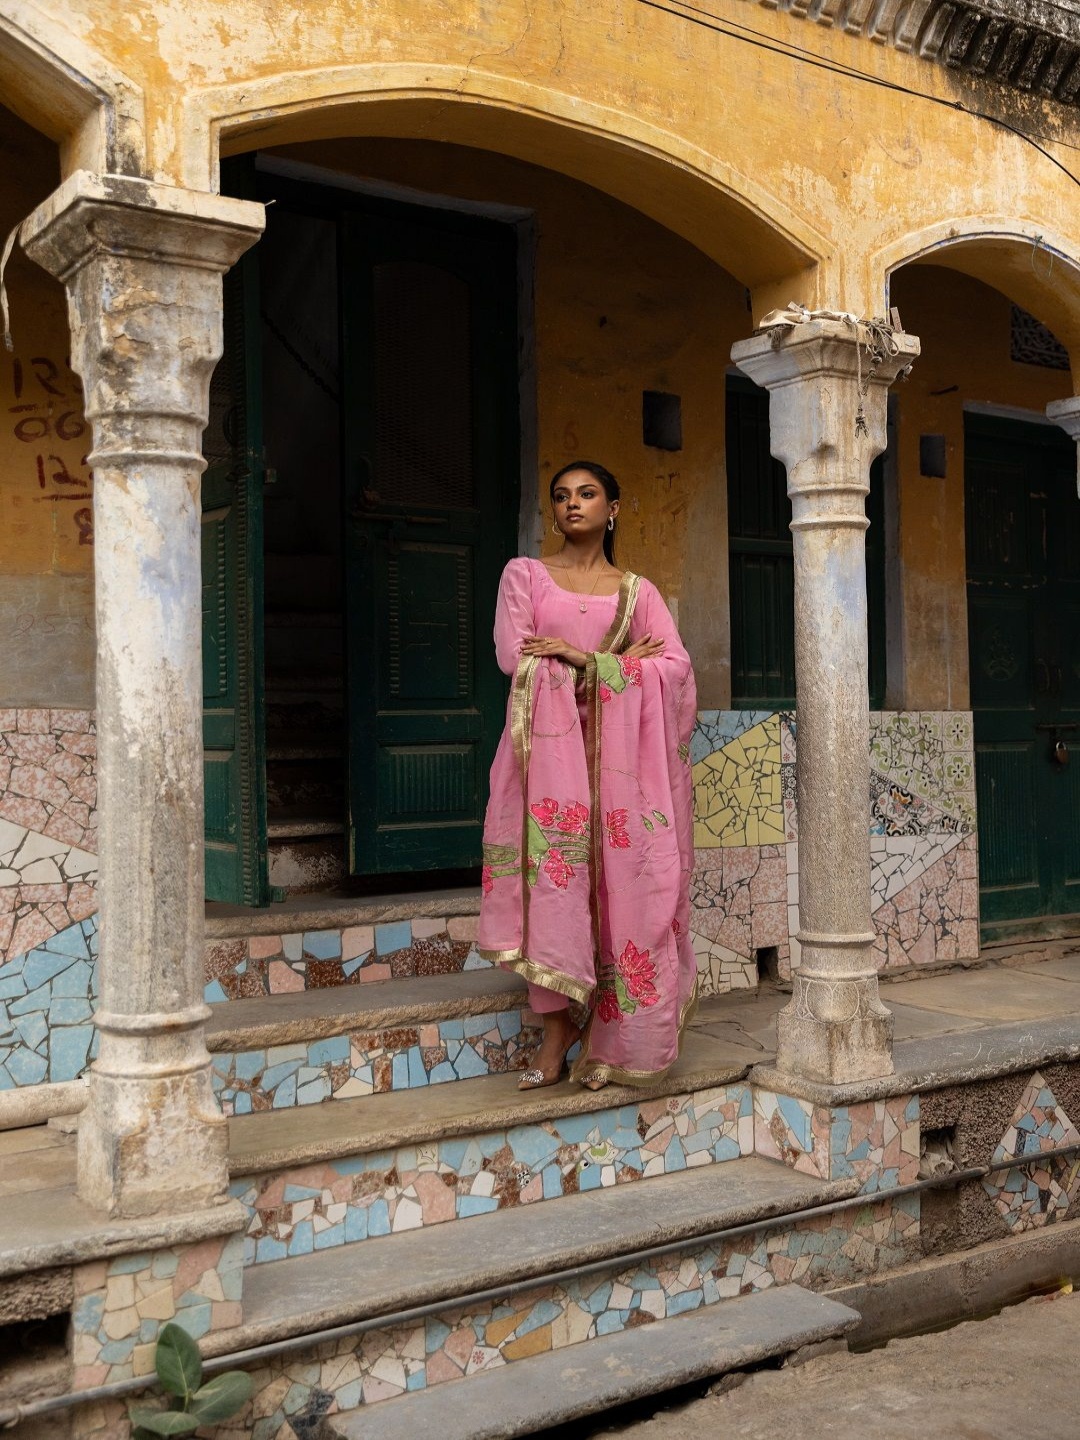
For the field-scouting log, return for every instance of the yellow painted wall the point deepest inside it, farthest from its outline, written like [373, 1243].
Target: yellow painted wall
[794, 177]
[46, 524]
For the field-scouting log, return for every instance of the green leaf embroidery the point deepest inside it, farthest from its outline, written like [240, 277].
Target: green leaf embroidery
[647, 823]
[609, 672]
[622, 995]
[660, 817]
[221, 1397]
[179, 1366]
[537, 849]
[500, 855]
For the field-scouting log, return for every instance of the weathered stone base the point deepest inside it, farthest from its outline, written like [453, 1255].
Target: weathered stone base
[832, 1051]
[153, 1146]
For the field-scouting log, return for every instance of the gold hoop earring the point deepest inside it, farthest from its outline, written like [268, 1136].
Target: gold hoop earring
[555, 528]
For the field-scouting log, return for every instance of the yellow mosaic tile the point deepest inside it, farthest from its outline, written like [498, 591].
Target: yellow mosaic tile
[737, 791]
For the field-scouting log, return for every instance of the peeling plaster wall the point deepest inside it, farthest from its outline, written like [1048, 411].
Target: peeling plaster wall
[46, 525]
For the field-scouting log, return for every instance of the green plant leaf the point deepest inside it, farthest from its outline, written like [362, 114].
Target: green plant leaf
[221, 1397]
[178, 1364]
[164, 1422]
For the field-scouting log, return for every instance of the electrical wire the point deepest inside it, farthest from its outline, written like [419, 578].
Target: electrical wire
[731, 29]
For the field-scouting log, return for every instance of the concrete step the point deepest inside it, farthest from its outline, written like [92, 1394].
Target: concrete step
[302, 825]
[352, 1040]
[565, 1384]
[325, 1176]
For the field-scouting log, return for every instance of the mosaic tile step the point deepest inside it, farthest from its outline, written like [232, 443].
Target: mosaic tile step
[287, 1050]
[316, 1134]
[331, 943]
[473, 1337]
[295, 1210]
[611, 1370]
[335, 1287]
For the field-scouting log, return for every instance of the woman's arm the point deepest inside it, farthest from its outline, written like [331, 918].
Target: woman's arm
[514, 622]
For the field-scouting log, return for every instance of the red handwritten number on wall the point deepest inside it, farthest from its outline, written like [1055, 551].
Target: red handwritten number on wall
[37, 422]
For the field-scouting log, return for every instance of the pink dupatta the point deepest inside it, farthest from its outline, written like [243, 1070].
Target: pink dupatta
[588, 841]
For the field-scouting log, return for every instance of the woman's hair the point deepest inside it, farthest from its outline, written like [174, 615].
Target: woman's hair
[603, 477]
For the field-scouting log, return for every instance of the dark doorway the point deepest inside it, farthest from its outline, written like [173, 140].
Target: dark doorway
[1023, 569]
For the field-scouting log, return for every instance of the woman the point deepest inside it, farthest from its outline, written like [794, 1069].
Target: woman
[588, 837]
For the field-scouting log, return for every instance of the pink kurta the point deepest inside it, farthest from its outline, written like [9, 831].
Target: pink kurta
[588, 836]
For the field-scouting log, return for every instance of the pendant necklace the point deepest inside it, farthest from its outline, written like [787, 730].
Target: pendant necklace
[589, 593]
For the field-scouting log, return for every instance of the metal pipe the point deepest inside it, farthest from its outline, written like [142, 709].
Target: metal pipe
[121, 1388]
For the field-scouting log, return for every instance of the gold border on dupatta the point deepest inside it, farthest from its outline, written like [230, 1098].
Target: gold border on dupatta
[521, 734]
[539, 974]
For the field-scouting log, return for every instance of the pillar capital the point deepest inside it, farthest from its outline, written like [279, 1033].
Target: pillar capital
[827, 379]
[834, 377]
[143, 266]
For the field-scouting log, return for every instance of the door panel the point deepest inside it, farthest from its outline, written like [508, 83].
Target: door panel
[232, 567]
[431, 456]
[1023, 609]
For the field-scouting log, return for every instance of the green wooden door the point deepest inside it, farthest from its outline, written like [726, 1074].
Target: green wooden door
[431, 456]
[1023, 566]
[232, 570]
[762, 565]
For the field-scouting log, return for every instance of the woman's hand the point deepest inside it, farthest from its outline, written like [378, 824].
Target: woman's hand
[646, 648]
[549, 647]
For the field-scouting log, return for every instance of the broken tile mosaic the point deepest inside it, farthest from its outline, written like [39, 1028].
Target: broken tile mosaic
[875, 1142]
[47, 998]
[369, 1063]
[315, 1207]
[381, 1365]
[120, 1305]
[1034, 1194]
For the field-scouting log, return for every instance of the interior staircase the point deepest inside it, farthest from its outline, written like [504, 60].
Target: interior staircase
[305, 723]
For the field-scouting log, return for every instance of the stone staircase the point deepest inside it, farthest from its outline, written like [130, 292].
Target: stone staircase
[408, 1220]
[369, 1063]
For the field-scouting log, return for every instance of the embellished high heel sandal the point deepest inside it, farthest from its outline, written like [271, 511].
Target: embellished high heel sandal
[537, 1079]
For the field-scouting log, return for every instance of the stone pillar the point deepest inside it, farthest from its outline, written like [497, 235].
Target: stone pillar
[835, 1029]
[1066, 413]
[142, 265]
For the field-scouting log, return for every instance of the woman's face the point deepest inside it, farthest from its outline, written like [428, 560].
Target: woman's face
[581, 505]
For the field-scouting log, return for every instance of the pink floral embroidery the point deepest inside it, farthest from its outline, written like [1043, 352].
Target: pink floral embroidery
[638, 973]
[545, 810]
[557, 870]
[574, 820]
[487, 880]
[617, 834]
[607, 1006]
[605, 694]
[630, 666]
